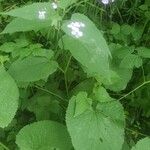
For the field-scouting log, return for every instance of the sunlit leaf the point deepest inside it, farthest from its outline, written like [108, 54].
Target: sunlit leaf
[87, 45]
[36, 11]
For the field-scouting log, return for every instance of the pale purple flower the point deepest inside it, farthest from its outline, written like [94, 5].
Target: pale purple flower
[105, 2]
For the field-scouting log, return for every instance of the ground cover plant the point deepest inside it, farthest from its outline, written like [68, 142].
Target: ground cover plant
[75, 75]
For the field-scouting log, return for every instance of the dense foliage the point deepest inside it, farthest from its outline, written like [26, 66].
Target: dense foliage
[74, 74]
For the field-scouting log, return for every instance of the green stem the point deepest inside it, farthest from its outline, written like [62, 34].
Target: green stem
[147, 82]
[128, 129]
[144, 83]
[2, 145]
[47, 91]
[66, 84]
[65, 74]
[67, 66]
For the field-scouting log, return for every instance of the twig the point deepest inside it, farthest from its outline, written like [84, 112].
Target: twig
[5, 147]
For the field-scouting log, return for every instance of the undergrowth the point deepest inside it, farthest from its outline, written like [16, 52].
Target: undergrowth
[75, 75]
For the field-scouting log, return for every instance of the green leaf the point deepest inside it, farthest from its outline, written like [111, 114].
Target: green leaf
[82, 103]
[36, 11]
[115, 28]
[85, 86]
[119, 79]
[120, 76]
[8, 47]
[143, 144]
[96, 129]
[32, 69]
[43, 106]
[100, 94]
[126, 29]
[143, 52]
[43, 135]
[66, 3]
[9, 96]
[22, 25]
[87, 45]
[130, 61]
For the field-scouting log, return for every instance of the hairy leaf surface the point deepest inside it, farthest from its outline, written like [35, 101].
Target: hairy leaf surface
[43, 135]
[143, 144]
[36, 11]
[9, 96]
[32, 69]
[86, 44]
[102, 128]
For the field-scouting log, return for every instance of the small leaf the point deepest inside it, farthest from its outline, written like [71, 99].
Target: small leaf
[100, 94]
[143, 144]
[32, 69]
[9, 96]
[126, 29]
[43, 135]
[115, 28]
[82, 103]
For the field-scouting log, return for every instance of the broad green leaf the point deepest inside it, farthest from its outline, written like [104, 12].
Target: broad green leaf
[43, 135]
[36, 11]
[102, 128]
[22, 25]
[9, 96]
[143, 144]
[143, 52]
[87, 45]
[32, 69]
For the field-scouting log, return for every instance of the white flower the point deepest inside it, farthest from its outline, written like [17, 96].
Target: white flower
[75, 28]
[41, 14]
[107, 1]
[54, 5]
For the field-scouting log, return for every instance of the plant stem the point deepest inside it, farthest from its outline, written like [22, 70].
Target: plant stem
[2, 145]
[47, 91]
[128, 129]
[147, 82]
[121, 98]
[65, 74]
